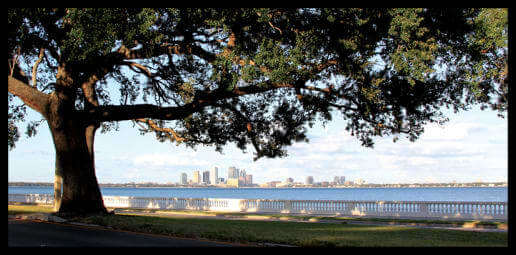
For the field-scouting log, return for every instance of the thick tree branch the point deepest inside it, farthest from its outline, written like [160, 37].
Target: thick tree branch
[202, 99]
[29, 95]
[130, 112]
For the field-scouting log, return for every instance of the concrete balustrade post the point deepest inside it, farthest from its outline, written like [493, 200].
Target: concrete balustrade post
[423, 210]
[287, 206]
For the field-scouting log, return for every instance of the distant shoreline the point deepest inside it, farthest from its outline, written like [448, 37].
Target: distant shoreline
[407, 185]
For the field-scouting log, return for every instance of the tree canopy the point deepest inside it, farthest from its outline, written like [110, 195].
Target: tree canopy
[257, 77]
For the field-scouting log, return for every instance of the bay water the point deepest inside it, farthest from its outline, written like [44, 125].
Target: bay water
[483, 194]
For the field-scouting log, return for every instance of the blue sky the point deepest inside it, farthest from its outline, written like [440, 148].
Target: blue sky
[472, 146]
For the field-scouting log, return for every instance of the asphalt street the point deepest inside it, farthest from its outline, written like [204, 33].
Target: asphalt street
[26, 233]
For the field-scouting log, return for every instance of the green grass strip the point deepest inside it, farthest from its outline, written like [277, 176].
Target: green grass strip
[303, 234]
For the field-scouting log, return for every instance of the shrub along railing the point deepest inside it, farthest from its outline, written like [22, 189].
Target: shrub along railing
[391, 209]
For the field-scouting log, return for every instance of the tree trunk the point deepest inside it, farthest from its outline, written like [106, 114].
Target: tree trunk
[75, 167]
[75, 172]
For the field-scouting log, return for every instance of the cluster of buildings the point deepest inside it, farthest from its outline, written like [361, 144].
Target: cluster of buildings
[236, 178]
[239, 178]
[338, 181]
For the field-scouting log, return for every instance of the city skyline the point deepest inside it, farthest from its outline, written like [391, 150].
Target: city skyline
[472, 146]
[234, 172]
[235, 176]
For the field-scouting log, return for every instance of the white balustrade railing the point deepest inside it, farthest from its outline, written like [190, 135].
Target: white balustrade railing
[397, 209]
[32, 198]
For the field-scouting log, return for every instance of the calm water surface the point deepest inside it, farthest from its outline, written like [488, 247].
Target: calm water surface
[495, 194]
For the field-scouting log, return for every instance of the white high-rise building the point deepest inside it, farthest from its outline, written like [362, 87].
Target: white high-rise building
[214, 175]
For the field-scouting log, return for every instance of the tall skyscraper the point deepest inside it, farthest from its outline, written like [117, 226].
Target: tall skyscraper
[214, 175]
[309, 180]
[249, 179]
[233, 175]
[183, 179]
[339, 180]
[196, 177]
[232, 172]
[206, 177]
[241, 177]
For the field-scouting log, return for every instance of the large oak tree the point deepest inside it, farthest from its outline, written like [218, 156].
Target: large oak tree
[252, 77]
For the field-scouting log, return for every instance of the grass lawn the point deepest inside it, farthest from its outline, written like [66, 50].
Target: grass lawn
[294, 233]
[24, 209]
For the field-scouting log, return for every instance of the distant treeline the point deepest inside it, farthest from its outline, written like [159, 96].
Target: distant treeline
[434, 185]
[101, 185]
[31, 184]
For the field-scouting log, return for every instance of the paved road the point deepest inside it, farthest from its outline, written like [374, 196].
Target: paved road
[25, 233]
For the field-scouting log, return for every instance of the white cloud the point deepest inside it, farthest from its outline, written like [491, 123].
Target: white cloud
[455, 131]
[170, 159]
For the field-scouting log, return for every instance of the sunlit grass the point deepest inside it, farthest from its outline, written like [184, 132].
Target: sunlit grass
[304, 234]
[456, 222]
[25, 209]
[300, 233]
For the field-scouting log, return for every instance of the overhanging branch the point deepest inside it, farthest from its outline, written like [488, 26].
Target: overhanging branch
[170, 133]
[32, 97]
[202, 99]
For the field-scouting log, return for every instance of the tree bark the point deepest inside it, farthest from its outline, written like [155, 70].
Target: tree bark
[75, 171]
[75, 168]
